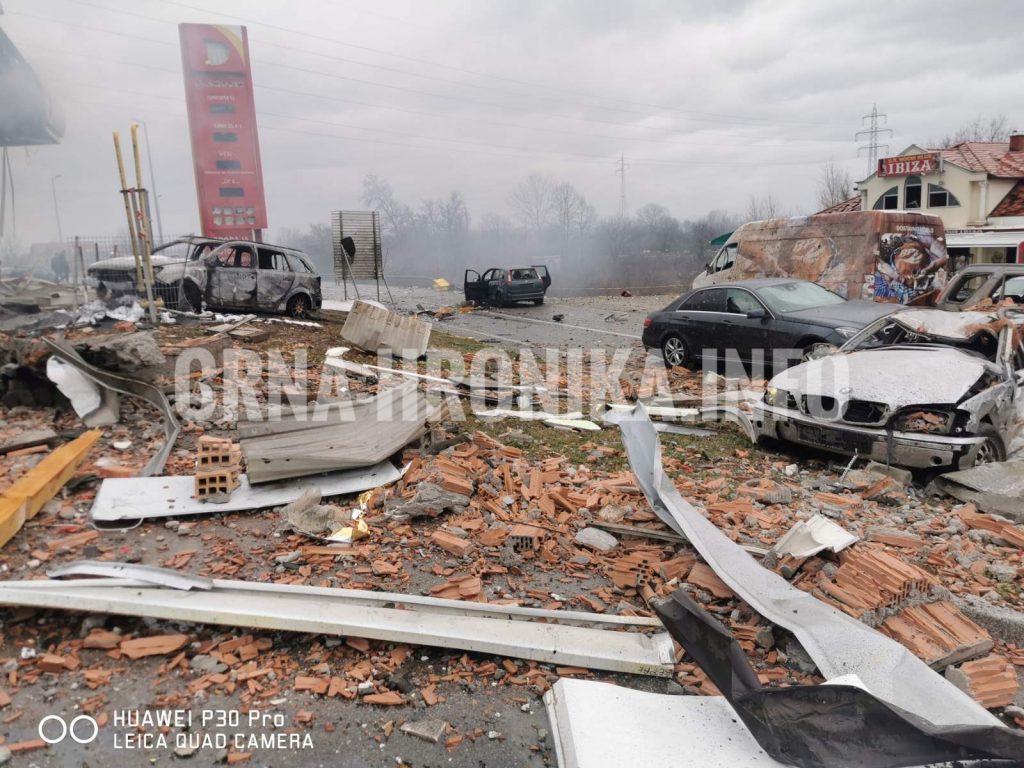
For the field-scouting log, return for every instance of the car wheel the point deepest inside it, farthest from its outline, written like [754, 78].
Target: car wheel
[193, 297]
[992, 451]
[674, 351]
[539, 301]
[298, 305]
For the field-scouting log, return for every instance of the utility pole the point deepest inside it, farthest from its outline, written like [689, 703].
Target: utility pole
[871, 134]
[620, 170]
[56, 207]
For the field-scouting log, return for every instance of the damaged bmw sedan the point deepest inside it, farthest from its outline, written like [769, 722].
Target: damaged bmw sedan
[921, 388]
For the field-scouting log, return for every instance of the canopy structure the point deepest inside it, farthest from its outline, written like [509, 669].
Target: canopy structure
[987, 238]
[29, 116]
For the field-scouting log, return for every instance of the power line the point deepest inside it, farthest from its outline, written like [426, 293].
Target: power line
[872, 134]
[374, 83]
[335, 41]
[701, 116]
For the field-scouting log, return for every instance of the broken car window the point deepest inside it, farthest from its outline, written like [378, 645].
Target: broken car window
[740, 302]
[273, 260]
[967, 288]
[983, 344]
[711, 300]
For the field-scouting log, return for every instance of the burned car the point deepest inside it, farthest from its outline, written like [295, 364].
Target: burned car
[499, 286]
[978, 283]
[243, 275]
[118, 276]
[222, 274]
[921, 388]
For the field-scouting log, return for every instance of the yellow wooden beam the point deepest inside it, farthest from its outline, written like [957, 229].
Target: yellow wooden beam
[27, 496]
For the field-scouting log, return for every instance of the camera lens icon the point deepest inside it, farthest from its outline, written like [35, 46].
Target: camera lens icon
[53, 729]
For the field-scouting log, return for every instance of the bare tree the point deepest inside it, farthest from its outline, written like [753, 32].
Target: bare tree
[834, 185]
[995, 128]
[396, 217]
[531, 201]
[759, 208]
[586, 215]
[566, 204]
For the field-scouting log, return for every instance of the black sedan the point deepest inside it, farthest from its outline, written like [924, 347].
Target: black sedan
[756, 321]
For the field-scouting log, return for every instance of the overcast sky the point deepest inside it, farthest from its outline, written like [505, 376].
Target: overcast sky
[709, 102]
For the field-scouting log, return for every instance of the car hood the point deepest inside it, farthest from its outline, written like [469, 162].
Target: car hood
[898, 376]
[853, 313]
[128, 263]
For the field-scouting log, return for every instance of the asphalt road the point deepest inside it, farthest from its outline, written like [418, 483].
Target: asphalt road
[609, 321]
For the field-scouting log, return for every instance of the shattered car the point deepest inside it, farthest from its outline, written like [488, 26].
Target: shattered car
[921, 388]
[116, 277]
[978, 283]
[222, 274]
[500, 286]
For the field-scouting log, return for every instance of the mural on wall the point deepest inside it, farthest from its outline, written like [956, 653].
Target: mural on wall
[909, 264]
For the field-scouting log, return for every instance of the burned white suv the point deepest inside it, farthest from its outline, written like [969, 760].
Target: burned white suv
[220, 274]
[921, 388]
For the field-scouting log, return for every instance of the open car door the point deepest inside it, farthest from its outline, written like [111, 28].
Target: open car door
[542, 271]
[473, 286]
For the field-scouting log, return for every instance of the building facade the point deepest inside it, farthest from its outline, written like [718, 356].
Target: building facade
[977, 188]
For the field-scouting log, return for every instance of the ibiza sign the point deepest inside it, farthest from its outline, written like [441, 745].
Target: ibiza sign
[909, 165]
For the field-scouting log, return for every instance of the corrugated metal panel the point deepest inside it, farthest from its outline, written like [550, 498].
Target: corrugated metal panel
[364, 229]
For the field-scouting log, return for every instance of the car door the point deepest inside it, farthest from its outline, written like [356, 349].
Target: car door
[697, 319]
[274, 279]
[494, 279]
[473, 286]
[231, 283]
[747, 335]
[545, 276]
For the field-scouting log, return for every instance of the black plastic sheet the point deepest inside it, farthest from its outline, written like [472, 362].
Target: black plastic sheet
[826, 726]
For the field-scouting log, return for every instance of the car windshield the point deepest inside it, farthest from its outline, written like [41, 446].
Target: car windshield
[178, 250]
[792, 297]
[528, 273]
[890, 333]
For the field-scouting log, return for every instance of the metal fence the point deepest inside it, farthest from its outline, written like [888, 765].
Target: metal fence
[364, 228]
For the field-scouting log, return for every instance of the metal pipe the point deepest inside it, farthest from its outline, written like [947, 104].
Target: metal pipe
[152, 180]
[56, 207]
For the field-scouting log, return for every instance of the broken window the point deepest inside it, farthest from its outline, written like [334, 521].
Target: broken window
[298, 264]
[711, 300]
[966, 288]
[738, 301]
[725, 258]
[273, 260]
[1013, 288]
[889, 201]
[940, 197]
[912, 194]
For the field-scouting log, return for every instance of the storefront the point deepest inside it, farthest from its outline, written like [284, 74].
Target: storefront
[977, 188]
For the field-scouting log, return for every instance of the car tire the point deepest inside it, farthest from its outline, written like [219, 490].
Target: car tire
[675, 351]
[193, 297]
[299, 305]
[992, 451]
[539, 301]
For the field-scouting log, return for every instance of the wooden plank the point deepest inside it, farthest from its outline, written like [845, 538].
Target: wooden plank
[27, 496]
